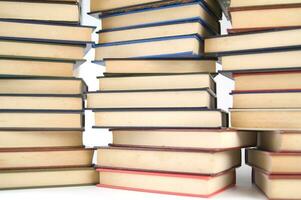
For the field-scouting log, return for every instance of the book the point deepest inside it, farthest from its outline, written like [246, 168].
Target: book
[157, 82]
[200, 139]
[266, 16]
[280, 141]
[32, 68]
[274, 162]
[188, 46]
[159, 66]
[239, 3]
[267, 99]
[49, 11]
[45, 158]
[46, 86]
[171, 98]
[254, 42]
[55, 177]
[285, 80]
[41, 120]
[277, 186]
[266, 119]
[168, 160]
[263, 61]
[154, 31]
[46, 32]
[40, 139]
[41, 50]
[166, 183]
[162, 14]
[41, 102]
[160, 118]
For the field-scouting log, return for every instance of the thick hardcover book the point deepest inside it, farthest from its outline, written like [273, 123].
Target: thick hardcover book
[166, 183]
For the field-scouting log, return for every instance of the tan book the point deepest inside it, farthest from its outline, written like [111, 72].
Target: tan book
[166, 183]
[266, 119]
[173, 98]
[280, 141]
[160, 118]
[168, 160]
[40, 11]
[245, 3]
[46, 86]
[201, 139]
[40, 139]
[40, 178]
[45, 158]
[286, 80]
[41, 102]
[274, 162]
[165, 66]
[40, 68]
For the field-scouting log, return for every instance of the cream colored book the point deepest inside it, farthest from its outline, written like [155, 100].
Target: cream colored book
[184, 98]
[40, 102]
[40, 11]
[165, 66]
[45, 86]
[46, 158]
[39, 68]
[274, 162]
[166, 183]
[40, 178]
[41, 50]
[160, 118]
[180, 46]
[178, 161]
[278, 186]
[40, 139]
[266, 119]
[246, 3]
[201, 139]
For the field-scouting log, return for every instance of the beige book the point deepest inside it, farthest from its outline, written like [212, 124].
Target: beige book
[45, 86]
[262, 61]
[246, 3]
[157, 15]
[40, 11]
[46, 158]
[253, 41]
[268, 81]
[280, 141]
[40, 139]
[24, 67]
[40, 50]
[12, 120]
[166, 183]
[188, 46]
[179, 161]
[266, 119]
[57, 177]
[161, 118]
[202, 139]
[40, 102]
[80, 34]
[187, 98]
[274, 163]
[165, 66]
[186, 28]
[267, 99]
[278, 186]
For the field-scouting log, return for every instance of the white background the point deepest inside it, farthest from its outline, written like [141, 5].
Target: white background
[243, 191]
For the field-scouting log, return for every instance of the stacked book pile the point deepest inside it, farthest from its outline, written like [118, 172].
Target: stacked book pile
[262, 53]
[160, 104]
[41, 102]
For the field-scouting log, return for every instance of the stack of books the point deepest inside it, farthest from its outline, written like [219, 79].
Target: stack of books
[168, 135]
[41, 102]
[262, 54]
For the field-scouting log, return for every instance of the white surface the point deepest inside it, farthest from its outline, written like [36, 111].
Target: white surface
[243, 191]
